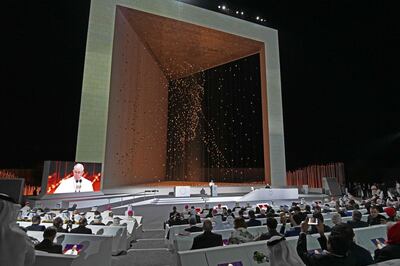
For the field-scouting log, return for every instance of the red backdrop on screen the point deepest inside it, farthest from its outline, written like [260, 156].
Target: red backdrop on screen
[60, 170]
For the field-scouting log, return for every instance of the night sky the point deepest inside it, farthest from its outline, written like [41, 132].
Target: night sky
[339, 74]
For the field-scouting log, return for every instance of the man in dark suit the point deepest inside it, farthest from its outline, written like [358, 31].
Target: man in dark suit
[193, 227]
[363, 257]
[271, 224]
[207, 239]
[375, 218]
[81, 229]
[336, 253]
[47, 244]
[253, 221]
[36, 224]
[356, 221]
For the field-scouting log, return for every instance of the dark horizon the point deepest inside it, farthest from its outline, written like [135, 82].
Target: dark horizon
[338, 74]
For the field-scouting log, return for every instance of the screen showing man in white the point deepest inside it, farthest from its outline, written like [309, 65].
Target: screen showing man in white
[76, 183]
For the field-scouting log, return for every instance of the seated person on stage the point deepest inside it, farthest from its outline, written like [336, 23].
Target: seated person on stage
[75, 183]
[362, 256]
[36, 224]
[356, 220]
[58, 224]
[375, 218]
[81, 229]
[240, 234]
[47, 244]
[272, 224]
[336, 252]
[392, 249]
[253, 221]
[193, 227]
[207, 239]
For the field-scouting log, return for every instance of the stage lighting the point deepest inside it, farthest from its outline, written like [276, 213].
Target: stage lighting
[219, 7]
[223, 7]
[257, 18]
[237, 12]
[242, 13]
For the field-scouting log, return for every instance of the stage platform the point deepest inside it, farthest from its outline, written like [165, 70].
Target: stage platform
[160, 197]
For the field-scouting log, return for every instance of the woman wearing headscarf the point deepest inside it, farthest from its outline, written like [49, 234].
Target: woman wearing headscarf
[15, 246]
[392, 248]
[280, 253]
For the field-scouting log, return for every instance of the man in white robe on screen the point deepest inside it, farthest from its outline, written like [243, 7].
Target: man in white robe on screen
[76, 183]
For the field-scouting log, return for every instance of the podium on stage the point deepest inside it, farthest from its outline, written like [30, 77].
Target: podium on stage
[214, 191]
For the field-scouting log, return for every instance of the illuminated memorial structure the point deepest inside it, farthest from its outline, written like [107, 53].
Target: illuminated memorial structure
[142, 58]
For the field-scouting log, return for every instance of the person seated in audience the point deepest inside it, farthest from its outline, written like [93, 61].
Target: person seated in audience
[36, 224]
[237, 206]
[258, 210]
[363, 257]
[272, 224]
[307, 210]
[293, 231]
[81, 229]
[391, 213]
[47, 244]
[253, 221]
[16, 248]
[320, 217]
[210, 213]
[186, 210]
[280, 253]
[230, 213]
[97, 220]
[248, 206]
[375, 218]
[58, 224]
[298, 216]
[262, 214]
[352, 205]
[335, 249]
[240, 234]
[173, 213]
[356, 220]
[206, 209]
[73, 208]
[193, 227]
[241, 214]
[336, 219]
[207, 239]
[392, 248]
